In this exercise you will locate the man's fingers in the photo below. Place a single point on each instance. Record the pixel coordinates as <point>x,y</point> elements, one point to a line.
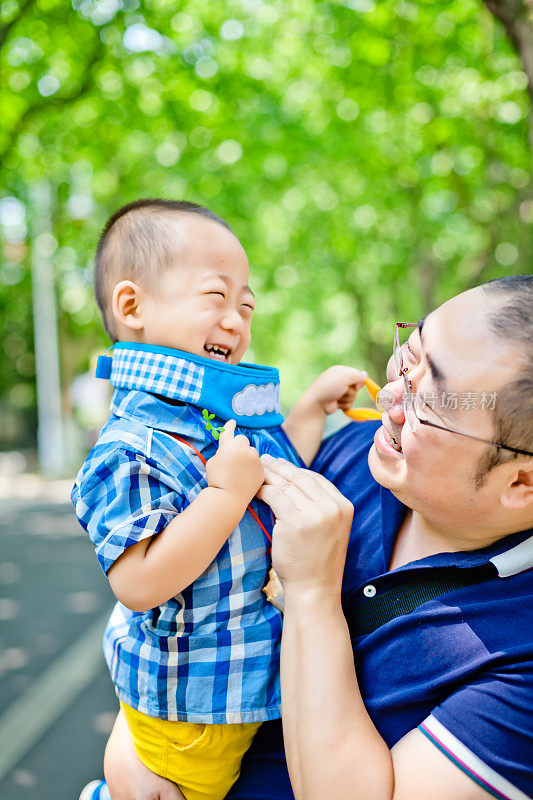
<point>332,490</point>
<point>279,472</point>
<point>293,493</point>
<point>281,504</point>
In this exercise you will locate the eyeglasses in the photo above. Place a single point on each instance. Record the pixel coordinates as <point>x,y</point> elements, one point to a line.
<point>414,402</point>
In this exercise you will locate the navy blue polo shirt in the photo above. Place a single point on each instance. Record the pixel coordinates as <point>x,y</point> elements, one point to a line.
<point>459,667</point>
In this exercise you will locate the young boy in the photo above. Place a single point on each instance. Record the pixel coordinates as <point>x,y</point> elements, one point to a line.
<point>192,645</point>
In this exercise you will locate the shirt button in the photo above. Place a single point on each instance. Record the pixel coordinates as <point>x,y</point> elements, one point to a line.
<point>369,591</point>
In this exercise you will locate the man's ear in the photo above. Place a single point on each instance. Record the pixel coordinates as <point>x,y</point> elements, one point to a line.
<point>126,305</point>
<point>519,491</point>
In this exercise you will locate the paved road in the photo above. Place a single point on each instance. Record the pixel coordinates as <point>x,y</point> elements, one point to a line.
<point>56,700</point>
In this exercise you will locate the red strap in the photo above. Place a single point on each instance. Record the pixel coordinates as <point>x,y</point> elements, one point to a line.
<point>204,462</point>
<point>254,515</point>
<point>183,441</point>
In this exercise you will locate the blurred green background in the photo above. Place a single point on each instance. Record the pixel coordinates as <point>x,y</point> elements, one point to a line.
<point>373,157</point>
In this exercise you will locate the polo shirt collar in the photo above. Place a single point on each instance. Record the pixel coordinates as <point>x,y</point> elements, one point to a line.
<point>517,558</point>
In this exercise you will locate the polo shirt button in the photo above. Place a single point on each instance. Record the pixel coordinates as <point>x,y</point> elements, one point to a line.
<point>369,591</point>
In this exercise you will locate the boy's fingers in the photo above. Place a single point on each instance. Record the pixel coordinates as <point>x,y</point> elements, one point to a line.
<point>242,439</point>
<point>355,377</point>
<point>228,432</point>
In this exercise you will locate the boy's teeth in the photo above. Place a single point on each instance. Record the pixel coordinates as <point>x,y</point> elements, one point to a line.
<point>212,348</point>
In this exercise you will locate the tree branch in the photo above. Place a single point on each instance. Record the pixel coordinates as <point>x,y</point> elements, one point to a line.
<point>57,102</point>
<point>516,17</point>
<point>5,29</point>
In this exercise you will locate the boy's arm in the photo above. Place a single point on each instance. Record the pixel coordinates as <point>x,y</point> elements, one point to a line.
<point>155,569</point>
<point>333,389</point>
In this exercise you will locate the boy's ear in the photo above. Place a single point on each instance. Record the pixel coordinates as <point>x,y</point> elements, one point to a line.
<point>519,492</point>
<point>126,305</point>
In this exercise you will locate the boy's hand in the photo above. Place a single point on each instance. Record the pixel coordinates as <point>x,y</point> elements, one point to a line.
<point>336,388</point>
<point>236,466</point>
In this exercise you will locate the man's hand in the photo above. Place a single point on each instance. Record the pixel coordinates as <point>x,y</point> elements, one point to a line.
<point>336,388</point>
<point>236,467</point>
<point>313,521</point>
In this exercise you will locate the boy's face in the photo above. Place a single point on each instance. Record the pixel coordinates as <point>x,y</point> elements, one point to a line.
<point>203,305</point>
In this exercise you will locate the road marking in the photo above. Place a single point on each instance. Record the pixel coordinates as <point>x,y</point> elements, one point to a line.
<point>26,720</point>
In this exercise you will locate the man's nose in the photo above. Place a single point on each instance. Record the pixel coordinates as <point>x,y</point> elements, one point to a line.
<point>392,400</point>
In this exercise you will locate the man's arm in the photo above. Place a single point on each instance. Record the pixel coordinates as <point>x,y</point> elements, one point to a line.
<point>333,749</point>
<point>155,569</point>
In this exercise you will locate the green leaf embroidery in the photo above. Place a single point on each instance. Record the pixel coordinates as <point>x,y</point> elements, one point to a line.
<point>215,432</point>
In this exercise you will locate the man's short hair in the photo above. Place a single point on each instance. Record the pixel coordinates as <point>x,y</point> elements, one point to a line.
<point>136,245</point>
<point>512,320</point>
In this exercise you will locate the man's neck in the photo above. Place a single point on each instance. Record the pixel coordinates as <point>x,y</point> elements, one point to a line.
<point>418,538</point>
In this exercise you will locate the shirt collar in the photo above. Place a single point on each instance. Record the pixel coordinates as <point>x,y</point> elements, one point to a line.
<point>156,412</point>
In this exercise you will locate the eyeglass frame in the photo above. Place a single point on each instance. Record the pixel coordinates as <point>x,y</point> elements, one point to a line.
<point>398,361</point>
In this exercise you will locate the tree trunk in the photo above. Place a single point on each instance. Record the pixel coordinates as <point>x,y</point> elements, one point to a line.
<point>517,19</point>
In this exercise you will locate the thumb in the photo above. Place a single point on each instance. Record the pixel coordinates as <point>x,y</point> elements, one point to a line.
<point>228,433</point>
<point>331,406</point>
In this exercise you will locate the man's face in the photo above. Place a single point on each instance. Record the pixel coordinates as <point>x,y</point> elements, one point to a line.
<point>433,471</point>
<point>203,305</point>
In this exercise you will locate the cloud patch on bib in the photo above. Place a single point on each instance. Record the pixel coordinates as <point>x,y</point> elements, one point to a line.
<point>256,400</point>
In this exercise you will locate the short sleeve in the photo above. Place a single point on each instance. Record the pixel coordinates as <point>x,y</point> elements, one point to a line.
<point>486,728</point>
<point>121,499</point>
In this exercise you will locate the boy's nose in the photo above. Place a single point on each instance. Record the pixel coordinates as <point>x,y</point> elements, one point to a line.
<point>232,321</point>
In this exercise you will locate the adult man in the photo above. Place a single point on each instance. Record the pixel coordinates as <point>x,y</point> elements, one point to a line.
<point>438,706</point>
<point>459,666</point>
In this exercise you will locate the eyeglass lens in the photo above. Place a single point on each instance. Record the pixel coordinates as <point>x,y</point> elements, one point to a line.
<point>408,400</point>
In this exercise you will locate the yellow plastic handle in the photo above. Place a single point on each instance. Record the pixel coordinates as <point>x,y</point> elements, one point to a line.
<point>373,388</point>
<point>364,414</point>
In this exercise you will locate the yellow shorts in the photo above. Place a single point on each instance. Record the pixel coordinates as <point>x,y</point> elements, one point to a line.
<point>204,760</point>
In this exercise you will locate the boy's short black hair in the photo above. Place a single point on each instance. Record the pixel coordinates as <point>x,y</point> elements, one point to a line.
<point>135,245</point>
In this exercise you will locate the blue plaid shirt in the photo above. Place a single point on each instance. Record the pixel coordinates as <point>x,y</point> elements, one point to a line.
<point>211,653</point>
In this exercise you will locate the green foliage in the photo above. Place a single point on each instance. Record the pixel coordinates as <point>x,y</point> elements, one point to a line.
<point>372,157</point>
